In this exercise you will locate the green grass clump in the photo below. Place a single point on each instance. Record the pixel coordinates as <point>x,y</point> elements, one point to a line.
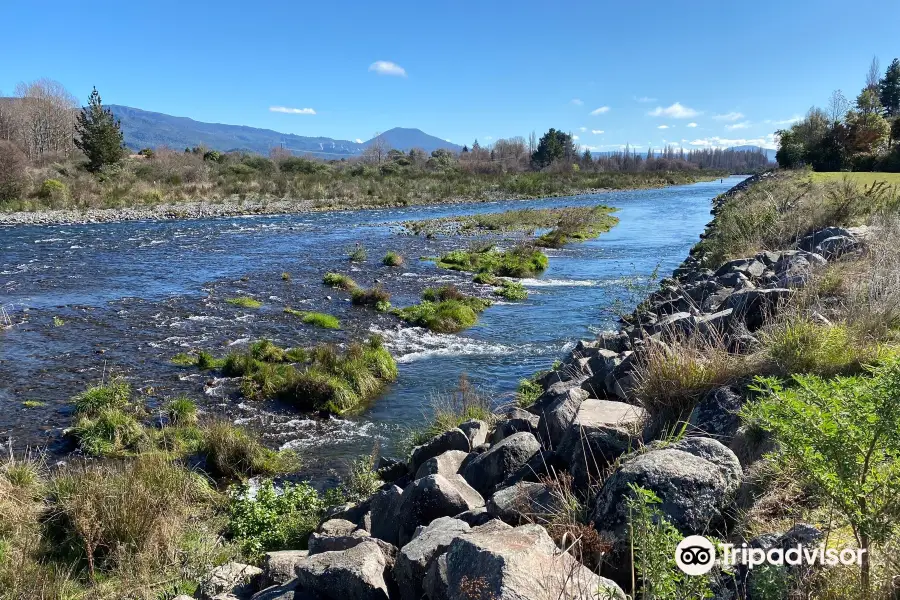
<point>108,432</point>
<point>376,297</point>
<point>521,261</point>
<point>805,346</point>
<point>58,322</point>
<point>358,254</point>
<point>233,453</point>
<point>244,302</point>
<point>285,276</point>
<point>485,278</point>
<point>337,280</point>
<point>182,411</point>
<point>201,359</point>
<point>115,394</point>
<point>392,259</point>
<point>33,404</point>
<point>578,225</point>
<point>318,319</point>
<point>511,290</point>
<point>322,378</point>
<point>451,409</point>
<point>528,393</point>
<point>444,310</point>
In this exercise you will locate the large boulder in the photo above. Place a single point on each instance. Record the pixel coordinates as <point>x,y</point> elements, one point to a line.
<point>278,567</point>
<point>476,430</point>
<point>601,365</point>
<point>454,439</point>
<point>755,307</point>
<point>232,578</point>
<point>354,574</point>
<point>486,471</point>
<point>716,415</point>
<point>557,417</point>
<point>433,497</point>
<point>416,556</point>
<point>695,478</point>
<point>384,505</point>
<point>516,421</point>
<point>446,464</point>
<point>553,392</point>
<point>836,246</point>
<point>518,564</point>
<point>795,267</point>
<point>810,242</point>
<point>524,502</point>
<point>601,431</point>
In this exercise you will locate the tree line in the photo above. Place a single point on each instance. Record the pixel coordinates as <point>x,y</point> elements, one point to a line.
<point>843,136</point>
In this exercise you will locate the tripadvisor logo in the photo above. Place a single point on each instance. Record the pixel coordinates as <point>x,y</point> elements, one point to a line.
<point>696,555</point>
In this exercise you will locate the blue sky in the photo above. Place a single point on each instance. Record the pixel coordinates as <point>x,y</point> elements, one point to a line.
<point>691,73</point>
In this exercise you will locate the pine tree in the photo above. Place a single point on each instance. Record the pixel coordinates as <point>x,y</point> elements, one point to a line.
<point>99,134</point>
<point>889,89</point>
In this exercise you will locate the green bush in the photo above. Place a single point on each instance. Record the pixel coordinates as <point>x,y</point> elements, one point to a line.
<point>339,281</point>
<point>53,189</point>
<point>521,261</point>
<point>528,393</point>
<point>273,519</point>
<point>108,432</point>
<point>358,254</point>
<point>392,259</point>
<point>233,453</point>
<point>182,411</point>
<point>376,297</point>
<point>511,290</point>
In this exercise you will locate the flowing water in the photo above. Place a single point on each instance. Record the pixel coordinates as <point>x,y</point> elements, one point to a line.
<point>131,295</point>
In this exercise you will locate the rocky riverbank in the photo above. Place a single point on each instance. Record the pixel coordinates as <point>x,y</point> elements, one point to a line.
<point>535,504</point>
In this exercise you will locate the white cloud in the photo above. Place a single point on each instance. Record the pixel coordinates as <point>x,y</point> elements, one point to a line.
<point>741,125</point>
<point>358,141</point>
<point>717,142</point>
<point>582,129</point>
<point>676,111</point>
<point>292,111</point>
<point>600,111</point>
<point>732,116</point>
<point>577,101</point>
<point>663,127</point>
<point>488,137</point>
<point>691,124</point>
<point>790,121</point>
<point>575,137</point>
<point>386,67</point>
<point>645,99</point>
<point>596,131</point>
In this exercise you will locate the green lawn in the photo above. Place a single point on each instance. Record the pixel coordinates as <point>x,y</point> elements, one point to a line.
<point>859,178</point>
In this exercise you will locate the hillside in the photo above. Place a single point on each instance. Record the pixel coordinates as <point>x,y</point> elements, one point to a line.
<point>146,129</point>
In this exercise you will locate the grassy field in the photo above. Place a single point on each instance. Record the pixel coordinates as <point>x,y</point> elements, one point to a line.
<point>858,178</point>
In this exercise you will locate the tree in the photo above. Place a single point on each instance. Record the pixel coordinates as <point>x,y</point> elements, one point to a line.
<point>842,435</point>
<point>889,89</point>
<point>837,107</point>
<point>868,131</point>
<point>43,118</point>
<point>99,134</point>
<point>872,75</point>
<point>553,146</point>
<point>12,170</point>
<point>377,150</point>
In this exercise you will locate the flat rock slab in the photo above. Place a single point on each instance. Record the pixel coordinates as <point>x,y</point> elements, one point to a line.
<point>353,574</point>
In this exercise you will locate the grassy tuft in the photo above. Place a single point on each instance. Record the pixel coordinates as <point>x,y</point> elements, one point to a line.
<point>285,276</point>
<point>233,453</point>
<point>318,319</point>
<point>511,290</point>
<point>444,310</point>
<point>521,261</point>
<point>358,254</point>
<point>376,297</point>
<point>182,411</point>
<point>244,302</point>
<point>392,259</point>
<point>337,280</point>
<point>453,408</point>
<point>528,393</point>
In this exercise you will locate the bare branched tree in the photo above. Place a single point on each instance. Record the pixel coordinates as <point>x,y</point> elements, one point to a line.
<point>45,119</point>
<point>377,150</point>
<point>874,74</point>
<point>838,105</point>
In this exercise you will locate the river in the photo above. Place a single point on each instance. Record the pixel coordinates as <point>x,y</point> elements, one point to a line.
<point>131,295</point>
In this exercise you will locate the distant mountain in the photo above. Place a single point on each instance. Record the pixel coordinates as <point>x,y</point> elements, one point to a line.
<point>146,129</point>
<point>403,138</point>
<point>770,153</point>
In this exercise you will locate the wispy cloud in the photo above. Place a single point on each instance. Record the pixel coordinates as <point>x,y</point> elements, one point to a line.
<point>600,111</point>
<point>718,142</point>
<point>597,131</point>
<point>292,111</point>
<point>676,111</point>
<point>577,101</point>
<point>575,137</point>
<point>645,99</point>
<point>358,141</point>
<point>488,137</point>
<point>663,127</point>
<point>386,67</point>
<point>790,121</point>
<point>582,129</point>
<point>741,125</point>
<point>691,124</point>
<point>732,116</point>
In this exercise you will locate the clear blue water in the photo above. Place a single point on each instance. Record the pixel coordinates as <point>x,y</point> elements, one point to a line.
<point>133,294</point>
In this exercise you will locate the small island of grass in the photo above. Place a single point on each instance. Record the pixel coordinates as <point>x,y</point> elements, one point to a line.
<point>444,310</point>
<point>521,261</point>
<point>318,319</point>
<point>244,302</point>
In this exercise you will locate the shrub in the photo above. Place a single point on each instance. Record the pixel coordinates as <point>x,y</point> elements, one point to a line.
<point>376,297</point>
<point>528,393</point>
<point>244,302</point>
<point>182,411</point>
<point>358,254</point>
<point>485,278</point>
<point>511,290</point>
<point>273,519</point>
<point>339,281</point>
<point>800,345</point>
<point>233,453</point>
<point>521,261</point>
<point>360,482</point>
<point>323,320</point>
<point>842,436</point>
<point>392,259</point>
<point>53,189</point>
<point>12,171</point>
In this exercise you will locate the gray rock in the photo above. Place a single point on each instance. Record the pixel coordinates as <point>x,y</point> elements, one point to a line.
<point>557,417</point>
<point>516,421</point>
<point>454,439</point>
<point>476,430</point>
<point>814,239</point>
<point>231,578</point>
<point>755,307</point>
<point>553,392</point>
<point>836,246</point>
<point>474,517</point>
<point>795,267</point>
<point>416,556</point>
<point>278,567</point>
<point>354,574</point>
<point>519,564</point>
<point>446,464</point>
<point>544,463</point>
<point>390,469</point>
<point>522,503</point>
<point>286,591</point>
<point>319,543</point>
<point>433,497</point>
<point>488,470</point>
<point>715,416</point>
<point>601,364</point>
<point>601,432</point>
<point>337,527</point>
<point>717,324</point>
<point>696,480</point>
<point>384,504</point>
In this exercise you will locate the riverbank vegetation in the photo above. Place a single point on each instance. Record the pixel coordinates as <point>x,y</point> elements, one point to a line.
<point>444,310</point>
<point>318,319</point>
<point>523,260</point>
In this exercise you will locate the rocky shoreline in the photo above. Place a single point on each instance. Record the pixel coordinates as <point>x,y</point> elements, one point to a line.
<point>481,511</point>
